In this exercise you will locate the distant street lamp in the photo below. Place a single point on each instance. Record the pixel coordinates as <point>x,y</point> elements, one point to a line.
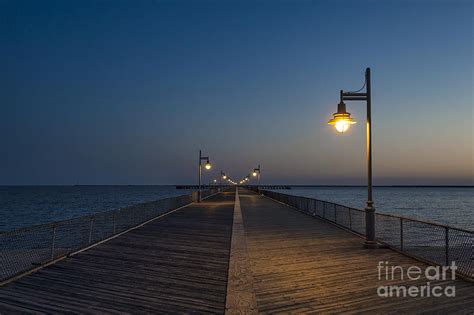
<point>207,166</point>
<point>256,173</point>
<point>223,176</point>
<point>342,121</point>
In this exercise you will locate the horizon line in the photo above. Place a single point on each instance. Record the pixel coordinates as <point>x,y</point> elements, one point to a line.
<point>287,185</point>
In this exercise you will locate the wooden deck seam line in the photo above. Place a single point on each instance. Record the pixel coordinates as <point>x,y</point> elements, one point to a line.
<point>241,298</point>
<point>56,260</point>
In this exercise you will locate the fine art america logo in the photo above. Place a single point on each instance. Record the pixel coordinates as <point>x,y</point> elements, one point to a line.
<point>420,288</point>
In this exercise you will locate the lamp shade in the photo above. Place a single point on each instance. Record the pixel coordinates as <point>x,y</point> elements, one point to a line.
<point>342,120</point>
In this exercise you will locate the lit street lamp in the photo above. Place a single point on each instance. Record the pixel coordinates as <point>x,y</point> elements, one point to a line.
<point>342,121</point>
<point>256,173</point>
<point>223,176</point>
<point>207,166</point>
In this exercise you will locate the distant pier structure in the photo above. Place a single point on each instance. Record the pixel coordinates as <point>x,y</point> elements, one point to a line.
<point>243,186</point>
<point>203,187</point>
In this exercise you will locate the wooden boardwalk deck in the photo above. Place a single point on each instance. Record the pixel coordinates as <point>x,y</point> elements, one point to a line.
<point>305,265</point>
<point>177,263</point>
<point>283,261</point>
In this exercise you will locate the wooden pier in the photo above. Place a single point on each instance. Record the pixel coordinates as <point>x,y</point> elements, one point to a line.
<point>232,253</point>
<point>272,187</point>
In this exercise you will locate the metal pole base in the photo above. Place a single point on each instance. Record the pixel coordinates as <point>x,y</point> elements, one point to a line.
<point>370,242</point>
<point>371,245</point>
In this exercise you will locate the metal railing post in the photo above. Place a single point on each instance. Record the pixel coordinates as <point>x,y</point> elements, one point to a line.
<point>53,241</point>
<point>401,234</point>
<point>90,230</point>
<point>446,239</point>
<point>350,218</point>
<point>114,223</point>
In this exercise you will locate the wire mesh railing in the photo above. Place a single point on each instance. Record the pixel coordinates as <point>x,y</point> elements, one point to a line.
<point>24,249</point>
<point>435,243</point>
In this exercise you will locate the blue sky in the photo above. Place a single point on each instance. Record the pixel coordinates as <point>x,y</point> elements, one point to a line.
<point>127,92</point>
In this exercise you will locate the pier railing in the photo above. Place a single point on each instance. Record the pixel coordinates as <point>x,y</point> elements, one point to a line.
<point>25,249</point>
<point>430,242</point>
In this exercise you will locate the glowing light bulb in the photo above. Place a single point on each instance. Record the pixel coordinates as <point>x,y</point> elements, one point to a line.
<point>342,120</point>
<point>254,174</point>
<point>342,125</point>
<point>207,165</point>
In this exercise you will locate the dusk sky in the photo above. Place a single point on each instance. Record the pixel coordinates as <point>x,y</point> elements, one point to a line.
<point>127,92</point>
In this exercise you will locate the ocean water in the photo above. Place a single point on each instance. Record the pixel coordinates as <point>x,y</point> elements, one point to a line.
<point>22,206</point>
<point>446,205</point>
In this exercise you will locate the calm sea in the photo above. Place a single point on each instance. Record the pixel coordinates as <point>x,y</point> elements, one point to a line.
<point>447,205</point>
<point>22,206</point>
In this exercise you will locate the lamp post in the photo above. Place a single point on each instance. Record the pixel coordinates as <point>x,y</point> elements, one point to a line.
<point>207,166</point>
<point>257,172</point>
<point>342,121</point>
<point>223,176</point>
